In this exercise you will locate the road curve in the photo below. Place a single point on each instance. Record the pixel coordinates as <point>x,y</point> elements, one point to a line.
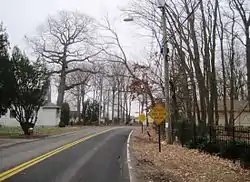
<point>101,158</point>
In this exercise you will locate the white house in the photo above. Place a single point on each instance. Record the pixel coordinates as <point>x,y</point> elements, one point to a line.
<point>241,112</point>
<point>48,115</point>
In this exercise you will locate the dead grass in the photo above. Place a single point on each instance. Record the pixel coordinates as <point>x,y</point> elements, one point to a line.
<point>177,164</point>
<point>16,132</point>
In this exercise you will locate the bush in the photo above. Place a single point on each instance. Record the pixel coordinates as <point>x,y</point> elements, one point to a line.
<point>212,148</point>
<point>245,159</point>
<point>61,124</point>
<point>65,115</point>
<point>191,144</point>
<point>184,131</point>
<point>233,150</point>
<point>200,143</point>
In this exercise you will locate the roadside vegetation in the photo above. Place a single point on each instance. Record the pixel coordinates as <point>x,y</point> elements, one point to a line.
<point>23,84</point>
<point>180,164</point>
<point>207,48</point>
<point>17,132</point>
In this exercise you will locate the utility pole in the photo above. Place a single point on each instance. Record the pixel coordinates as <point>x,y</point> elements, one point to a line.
<point>145,79</point>
<point>162,4</point>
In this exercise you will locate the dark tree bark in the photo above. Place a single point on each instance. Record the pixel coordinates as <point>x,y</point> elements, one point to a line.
<point>221,37</point>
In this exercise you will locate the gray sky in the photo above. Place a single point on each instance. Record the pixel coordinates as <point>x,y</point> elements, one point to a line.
<point>22,17</point>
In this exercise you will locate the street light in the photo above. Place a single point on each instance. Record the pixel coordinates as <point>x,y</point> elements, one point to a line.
<point>161,5</point>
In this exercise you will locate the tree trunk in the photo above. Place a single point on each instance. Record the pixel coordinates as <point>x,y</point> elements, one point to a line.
<point>248,59</point>
<point>118,105</point>
<point>232,70</point>
<point>221,37</point>
<point>104,110</point>
<point>199,76</point>
<point>78,102</point>
<point>126,107</point>
<point>25,127</point>
<point>129,110</point>
<point>195,58</point>
<point>207,67</point>
<point>113,106</point>
<point>61,89</point>
<point>224,80</point>
<point>214,94</point>
<point>183,69</point>
<point>124,113</point>
<point>107,114</point>
<point>83,98</point>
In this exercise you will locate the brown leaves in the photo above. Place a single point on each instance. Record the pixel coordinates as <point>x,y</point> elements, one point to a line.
<point>176,163</point>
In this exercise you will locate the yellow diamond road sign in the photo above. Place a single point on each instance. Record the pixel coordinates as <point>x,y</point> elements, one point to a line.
<point>158,113</point>
<point>142,117</point>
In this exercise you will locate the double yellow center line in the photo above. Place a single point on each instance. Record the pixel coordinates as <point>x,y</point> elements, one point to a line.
<point>7,174</point>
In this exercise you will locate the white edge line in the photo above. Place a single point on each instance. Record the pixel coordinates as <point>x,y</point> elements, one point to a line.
<point>129,157</point>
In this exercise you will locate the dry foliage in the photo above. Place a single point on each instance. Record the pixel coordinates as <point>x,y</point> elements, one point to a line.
<point>177,164</point>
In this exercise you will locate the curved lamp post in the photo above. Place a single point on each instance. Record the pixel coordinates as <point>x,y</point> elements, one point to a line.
<point>161,4</point>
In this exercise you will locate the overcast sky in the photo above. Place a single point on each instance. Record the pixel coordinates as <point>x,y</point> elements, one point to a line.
<point>22,17</point>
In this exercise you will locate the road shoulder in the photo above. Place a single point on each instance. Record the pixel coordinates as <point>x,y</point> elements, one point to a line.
<point>177,164</point>
<point>134,174</point>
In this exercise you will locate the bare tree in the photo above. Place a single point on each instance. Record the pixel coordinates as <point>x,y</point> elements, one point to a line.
<point>194,28</point>
<point>243,9</point>
<point>65,39</point>
<point>114,50</point>
<point>221,38</point>
<point>79,90</point>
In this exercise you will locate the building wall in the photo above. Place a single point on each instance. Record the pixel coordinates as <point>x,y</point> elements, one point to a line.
<point>46,117</point>
<point>7,120</point>
<point>242,120</point>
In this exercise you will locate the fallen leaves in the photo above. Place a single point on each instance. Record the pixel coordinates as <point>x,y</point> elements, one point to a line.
<point>177,164</point>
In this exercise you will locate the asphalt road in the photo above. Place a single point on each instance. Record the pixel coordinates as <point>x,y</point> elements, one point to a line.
<point>99,159</point>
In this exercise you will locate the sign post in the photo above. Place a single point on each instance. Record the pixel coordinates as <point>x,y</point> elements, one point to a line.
<point>142,118</point>
<point>159,114</point>
<point>159,137</point>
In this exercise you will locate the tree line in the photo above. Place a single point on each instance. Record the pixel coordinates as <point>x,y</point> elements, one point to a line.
<point>208,43</point>
<point>68,54</point>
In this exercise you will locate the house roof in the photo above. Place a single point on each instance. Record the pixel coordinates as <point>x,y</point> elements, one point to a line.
<point>239,105</point>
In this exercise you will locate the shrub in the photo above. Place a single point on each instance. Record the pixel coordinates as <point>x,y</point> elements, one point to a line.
<point>61,124</point>
<point>212,148</point>
<point>200,143</point>
<point>184,131</point>
<point>65,115</point>
<point>233,150</point>
<point>191,144</point>
<point>245,159</point>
